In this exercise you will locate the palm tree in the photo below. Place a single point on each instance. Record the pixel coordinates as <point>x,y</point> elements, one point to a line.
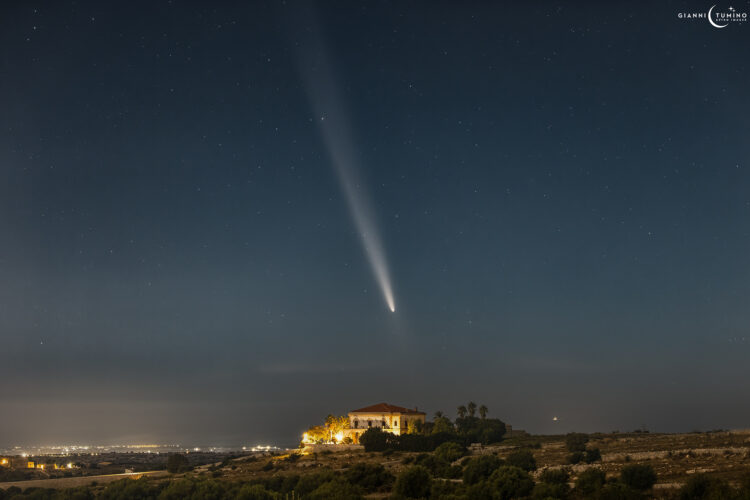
<point>439,414</point>
<point>461,411</point>
<point>472,407</point>
<point>483,412</point>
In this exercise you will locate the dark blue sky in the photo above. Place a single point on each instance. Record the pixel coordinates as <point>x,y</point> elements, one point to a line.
<point>562,192</point>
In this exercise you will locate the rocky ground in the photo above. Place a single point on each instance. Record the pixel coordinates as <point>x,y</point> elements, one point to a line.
<point>675,457</point>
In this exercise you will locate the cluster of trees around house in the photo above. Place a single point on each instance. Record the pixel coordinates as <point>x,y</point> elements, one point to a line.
<point>327,432</point>
<point>426,476</point>
<point>467,428</point>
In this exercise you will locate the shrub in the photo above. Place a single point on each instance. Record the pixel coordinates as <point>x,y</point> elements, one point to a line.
<point>310,482</point>
<point>480,468</point>
<point>369,477</point>
<point>446,490</point>
<point>414,482</point>
<point>510,482</point>
<point>576,442</point>
<point>335,490</point>
<point>374,439</point>
<point>450,452</point>
<point>523,459</point>
<point>268,466</point>
<point>703,487</point>
<point>616,490</point>
<point>177,463</point>
<point>576,457</point>
<point>638,477</point>
<point>592,455</point>
<point>590,481</point>
<point>554,476</point>
<point>255,492</point>
<point>546,491</point>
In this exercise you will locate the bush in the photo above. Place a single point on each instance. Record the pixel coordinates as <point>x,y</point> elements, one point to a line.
<point>523,459</point>
<point>310,482</point>
<point>590,481</point>
<point>576,457</point>
<point>480,468</point>
<point>450,452</point>
<point>616,490</point>
<point>414,482</point>
<point>446,490</point>
<point>255,492</point>
<point>576,442</point>
<point>268,466</point>
<point>510,482</point>
<point>592,455</point>
<point>703,487</point>
<point>374,440</point>
<point>369,477</point>
<point>554,476</point>
<point>546,491</point>
<point>335,490</point>
<point>177,463</point>
<point>638,477</point>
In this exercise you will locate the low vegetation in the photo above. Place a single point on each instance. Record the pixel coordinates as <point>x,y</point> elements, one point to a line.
<point>535,469</point>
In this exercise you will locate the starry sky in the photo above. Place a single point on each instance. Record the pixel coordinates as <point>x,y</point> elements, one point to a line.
<point>562,194</point>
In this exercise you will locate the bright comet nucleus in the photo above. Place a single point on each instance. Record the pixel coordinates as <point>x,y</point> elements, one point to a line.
<point>336,131</point>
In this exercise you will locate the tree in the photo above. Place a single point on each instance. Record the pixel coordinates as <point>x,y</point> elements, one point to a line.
<point>414,482</point>
<point>550,491</point>
<point>483,412</point>
<point>374,439</point>
<point>336,490</point>
<point>442,424</point>
<point>177,463</point>
<point>554,476</point>
<point>575,441</point>
<point>369,477</point>
<point>510,482</point>
<point>255,492</point>
<point>412,427</point>
<point>639,477</point>
<point>461,411</point>
<point>592,455</point>
<point>334,425</point>
<point>701,486</point>
<point>439,414</point>
<point>590,481</point>
<point>523,459</point>
<point>471,408</point>
<point>480,468</point>
<point>450,452</point>
<point>317,434</point>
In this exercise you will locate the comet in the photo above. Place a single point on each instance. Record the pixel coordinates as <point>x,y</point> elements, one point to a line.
<point>336,130</point>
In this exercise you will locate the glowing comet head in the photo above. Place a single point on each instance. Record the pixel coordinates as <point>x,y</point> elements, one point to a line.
<point>336,131</point>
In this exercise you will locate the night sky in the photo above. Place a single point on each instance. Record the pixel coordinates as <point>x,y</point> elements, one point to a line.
<point>561,194</point>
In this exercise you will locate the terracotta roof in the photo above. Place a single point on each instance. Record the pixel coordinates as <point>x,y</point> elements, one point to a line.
<point>386,408</point>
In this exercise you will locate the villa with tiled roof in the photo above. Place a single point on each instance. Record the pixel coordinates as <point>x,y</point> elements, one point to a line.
<point>387,417</point>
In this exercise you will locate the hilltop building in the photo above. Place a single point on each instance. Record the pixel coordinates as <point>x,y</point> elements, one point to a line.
<point>387,417</point>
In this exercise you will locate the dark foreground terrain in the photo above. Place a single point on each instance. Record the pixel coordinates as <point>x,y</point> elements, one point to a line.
<point>713,465</point>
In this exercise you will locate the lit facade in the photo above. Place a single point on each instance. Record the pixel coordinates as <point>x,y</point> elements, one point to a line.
<point>384,416</point>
